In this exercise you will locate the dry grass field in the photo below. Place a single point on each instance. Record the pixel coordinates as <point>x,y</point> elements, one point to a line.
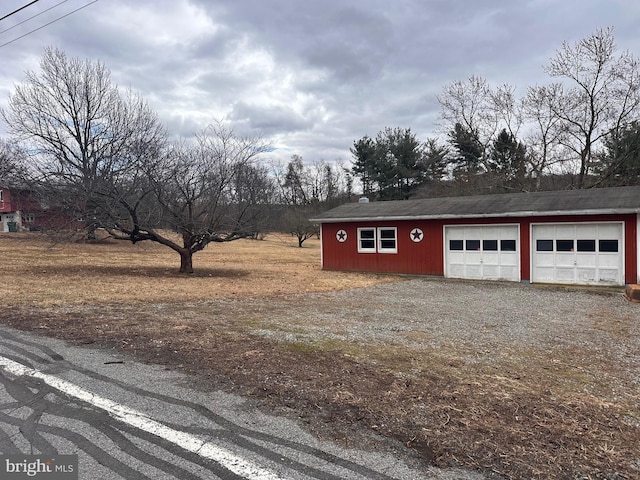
<point>541,417</point>
<point>47,273</point>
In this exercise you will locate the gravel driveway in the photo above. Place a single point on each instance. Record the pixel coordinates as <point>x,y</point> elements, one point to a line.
<point>482,315</point>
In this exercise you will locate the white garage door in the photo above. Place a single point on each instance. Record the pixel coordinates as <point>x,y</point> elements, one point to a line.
<point>583,254</point>
<point>482,252</point>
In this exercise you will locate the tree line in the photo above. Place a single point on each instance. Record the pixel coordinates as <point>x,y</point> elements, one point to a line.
<point>582,130</point>
<point>101,156</point>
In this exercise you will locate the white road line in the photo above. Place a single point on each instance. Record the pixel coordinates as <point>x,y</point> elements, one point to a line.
<point>142,421</point>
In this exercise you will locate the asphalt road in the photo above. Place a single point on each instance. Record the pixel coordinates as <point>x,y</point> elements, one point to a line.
<point>127,420</point>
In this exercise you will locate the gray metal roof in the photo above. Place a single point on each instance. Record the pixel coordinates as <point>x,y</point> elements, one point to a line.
<point>593,201</point>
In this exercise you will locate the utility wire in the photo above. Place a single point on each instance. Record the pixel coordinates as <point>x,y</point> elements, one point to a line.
<point>16,11</point>
<point>34,16</point>
<point>47,24</point>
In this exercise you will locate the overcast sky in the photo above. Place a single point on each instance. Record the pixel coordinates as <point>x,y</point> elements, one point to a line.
<point>313,76</point>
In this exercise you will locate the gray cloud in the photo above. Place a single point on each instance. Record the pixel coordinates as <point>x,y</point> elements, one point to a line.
<point>314,76</point>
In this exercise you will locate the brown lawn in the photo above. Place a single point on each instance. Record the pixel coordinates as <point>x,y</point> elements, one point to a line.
<point>47,273</point>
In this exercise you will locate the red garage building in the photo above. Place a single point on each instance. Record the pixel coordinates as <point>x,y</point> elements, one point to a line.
<point>588,237</point>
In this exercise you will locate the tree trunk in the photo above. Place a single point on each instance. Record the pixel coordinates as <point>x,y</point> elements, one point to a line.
<point>186,261</point>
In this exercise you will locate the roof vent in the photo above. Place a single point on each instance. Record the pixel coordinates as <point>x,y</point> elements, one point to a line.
<point>363,200</point>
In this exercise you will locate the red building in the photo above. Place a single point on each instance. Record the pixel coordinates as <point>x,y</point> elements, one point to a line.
<point>588,237</point>
<point>21,210</point>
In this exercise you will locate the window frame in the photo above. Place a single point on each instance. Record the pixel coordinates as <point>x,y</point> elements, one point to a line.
<point>382,249</point>
<point>377,239</point>
<point>362,249</point>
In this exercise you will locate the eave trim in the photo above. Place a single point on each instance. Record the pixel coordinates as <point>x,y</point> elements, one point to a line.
<point>609,211</point>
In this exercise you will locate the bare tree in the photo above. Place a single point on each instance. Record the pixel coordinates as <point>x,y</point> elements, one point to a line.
<point>102,156</point>
<point>600,93</point>
<point>83,136</point>
<point>472,105</point>
<point>545,132</point>
<point>196,191</point>
<point>11,163</point>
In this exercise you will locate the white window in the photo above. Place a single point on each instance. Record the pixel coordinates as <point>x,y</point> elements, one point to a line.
<point>387,240</point>
<point>378,240</point>
<point>366,240</point>
<point>29,218</point>
<point>1,200</point>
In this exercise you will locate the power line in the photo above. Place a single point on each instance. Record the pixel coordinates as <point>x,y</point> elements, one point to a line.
<point>34,16</point>
<point>16,11</point>
<point>47,24</point>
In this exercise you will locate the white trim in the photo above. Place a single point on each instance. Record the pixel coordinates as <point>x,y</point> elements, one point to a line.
<point>321,246</point>
<point>471,216</point>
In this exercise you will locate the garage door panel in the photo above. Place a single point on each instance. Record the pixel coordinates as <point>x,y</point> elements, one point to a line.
<point>456,271</point>
<point>545,231</point>
<point>545,260</point>
<point>565,260</point>
<point>586,275</point>
<point>491,272</point>
<point>491,258</point>
<point>565,232</point>
<point>565,275</point>
<point>509,272</point>
<point>456,257</point>
<point>545,274</point>
<point>586,231</point>
<point>608,261</point>
<point>609,231</point>
<point>473,271</point>
<point>509,258</point>
<point>586,260</point>
<point>474,257</point>
<point>608,275</point>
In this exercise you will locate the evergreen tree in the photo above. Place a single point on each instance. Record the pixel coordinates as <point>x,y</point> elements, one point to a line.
<point>434,160</point>
<point>364,164</point>
<point>390,166</point>
<point>619,163</point>
<point>507,157</point>
<point>469,152</point>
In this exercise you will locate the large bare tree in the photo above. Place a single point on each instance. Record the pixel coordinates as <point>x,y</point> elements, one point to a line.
<point>599,91</point>
<point>103,157</point>
<point>201,191</point>
<point>83,136</point>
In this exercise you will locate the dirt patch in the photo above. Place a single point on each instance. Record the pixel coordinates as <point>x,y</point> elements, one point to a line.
<point>564,405</point>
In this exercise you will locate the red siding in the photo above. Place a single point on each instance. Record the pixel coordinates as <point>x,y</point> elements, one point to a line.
<point>13,200</point>
<point>427,257</point>
<point>421,258</point>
